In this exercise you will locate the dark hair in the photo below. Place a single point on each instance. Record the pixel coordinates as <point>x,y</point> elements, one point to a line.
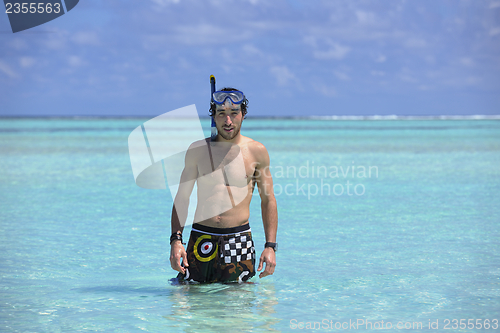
<point>243,104</point>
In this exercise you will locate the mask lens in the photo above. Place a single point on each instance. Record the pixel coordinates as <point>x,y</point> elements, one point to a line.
<point>235,96</point>
<point>219,97</point>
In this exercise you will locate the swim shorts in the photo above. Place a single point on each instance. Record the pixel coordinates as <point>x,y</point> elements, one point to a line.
<point>219,254</point>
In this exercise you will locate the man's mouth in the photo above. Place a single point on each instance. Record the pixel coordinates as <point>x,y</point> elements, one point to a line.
<point>228,129</point>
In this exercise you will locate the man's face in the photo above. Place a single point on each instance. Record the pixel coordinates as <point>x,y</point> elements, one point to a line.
<point>228,118</point>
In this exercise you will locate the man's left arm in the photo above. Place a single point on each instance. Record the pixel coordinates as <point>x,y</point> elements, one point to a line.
<point>269,209</point>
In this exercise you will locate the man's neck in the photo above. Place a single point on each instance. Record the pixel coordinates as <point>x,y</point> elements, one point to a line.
<point>236,140</point>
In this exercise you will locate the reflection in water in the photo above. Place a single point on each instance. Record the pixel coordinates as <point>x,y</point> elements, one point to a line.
<point>223,307</point>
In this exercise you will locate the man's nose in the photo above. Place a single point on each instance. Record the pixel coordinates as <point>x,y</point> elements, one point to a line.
<point>228,120</point>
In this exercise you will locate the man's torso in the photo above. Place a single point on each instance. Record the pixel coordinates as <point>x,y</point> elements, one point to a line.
<point>225,183</point>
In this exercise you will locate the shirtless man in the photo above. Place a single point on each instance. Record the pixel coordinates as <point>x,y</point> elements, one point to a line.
<point>226,170</point>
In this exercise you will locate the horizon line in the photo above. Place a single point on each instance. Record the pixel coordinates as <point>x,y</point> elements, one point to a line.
<point>329,117</point>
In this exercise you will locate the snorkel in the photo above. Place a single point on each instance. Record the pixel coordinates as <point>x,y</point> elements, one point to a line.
<point>213,127</point>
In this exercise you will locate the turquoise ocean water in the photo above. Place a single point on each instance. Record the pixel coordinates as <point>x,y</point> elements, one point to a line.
<point>412,236</point>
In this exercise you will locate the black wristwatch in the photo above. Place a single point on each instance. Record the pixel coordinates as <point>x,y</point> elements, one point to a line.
<point>273,246</point>
<point>176,236</point>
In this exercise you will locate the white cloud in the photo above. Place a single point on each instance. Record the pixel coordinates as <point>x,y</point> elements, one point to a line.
<point>164,3</point>
<point>408,78</point>
<point>407,75</point>
<point>18,44</point>
<point>325,90</point>
<point>460,81</point>
<point>366,17</point>
<point>342,76</point>
<point>495,31</point>
<point>473,80</point>
<point>253,55</point>
<point>27,62</point>
<point>56,41</point>
<point>155,42</point>
<point>424,87</point>
<point>75,61</point>
<point>251,50</point>
<point>495,4</point>
<point>86,38</point>
<point>467,62</point>
<point>416,43</point>
<point>206,34</point>
<point>184,64</point>
<point>430,59</point>
<point>377,73</point>
<point>283,75</point>
<point>203,34</point>
<point>334,50</point>
<point>7,70</point>
<point>381,58</point>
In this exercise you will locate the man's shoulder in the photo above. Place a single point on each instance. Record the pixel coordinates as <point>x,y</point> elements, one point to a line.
<point>257,149</point>
<point>197,144</point>
<point>196,150</point>
<point>253,144</point>
<point>200,143</point>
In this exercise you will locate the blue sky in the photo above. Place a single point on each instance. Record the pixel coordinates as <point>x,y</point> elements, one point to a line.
<point>291,58</point>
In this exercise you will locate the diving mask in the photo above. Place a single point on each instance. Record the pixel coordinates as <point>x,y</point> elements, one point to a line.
<point>235,96</point>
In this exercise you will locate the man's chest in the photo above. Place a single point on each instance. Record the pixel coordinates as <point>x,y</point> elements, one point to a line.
<point>234,165</point>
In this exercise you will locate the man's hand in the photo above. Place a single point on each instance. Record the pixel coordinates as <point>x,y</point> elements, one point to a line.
<point>269,257</point>
<point>177,252</point>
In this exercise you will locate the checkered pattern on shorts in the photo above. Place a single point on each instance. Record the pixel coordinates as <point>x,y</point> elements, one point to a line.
<point>238,248</point>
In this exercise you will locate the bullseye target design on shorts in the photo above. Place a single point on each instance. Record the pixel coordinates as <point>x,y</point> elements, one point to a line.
<point>204,249</point>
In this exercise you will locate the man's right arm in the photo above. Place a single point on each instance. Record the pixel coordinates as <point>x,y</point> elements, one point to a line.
<point>180,209</point>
